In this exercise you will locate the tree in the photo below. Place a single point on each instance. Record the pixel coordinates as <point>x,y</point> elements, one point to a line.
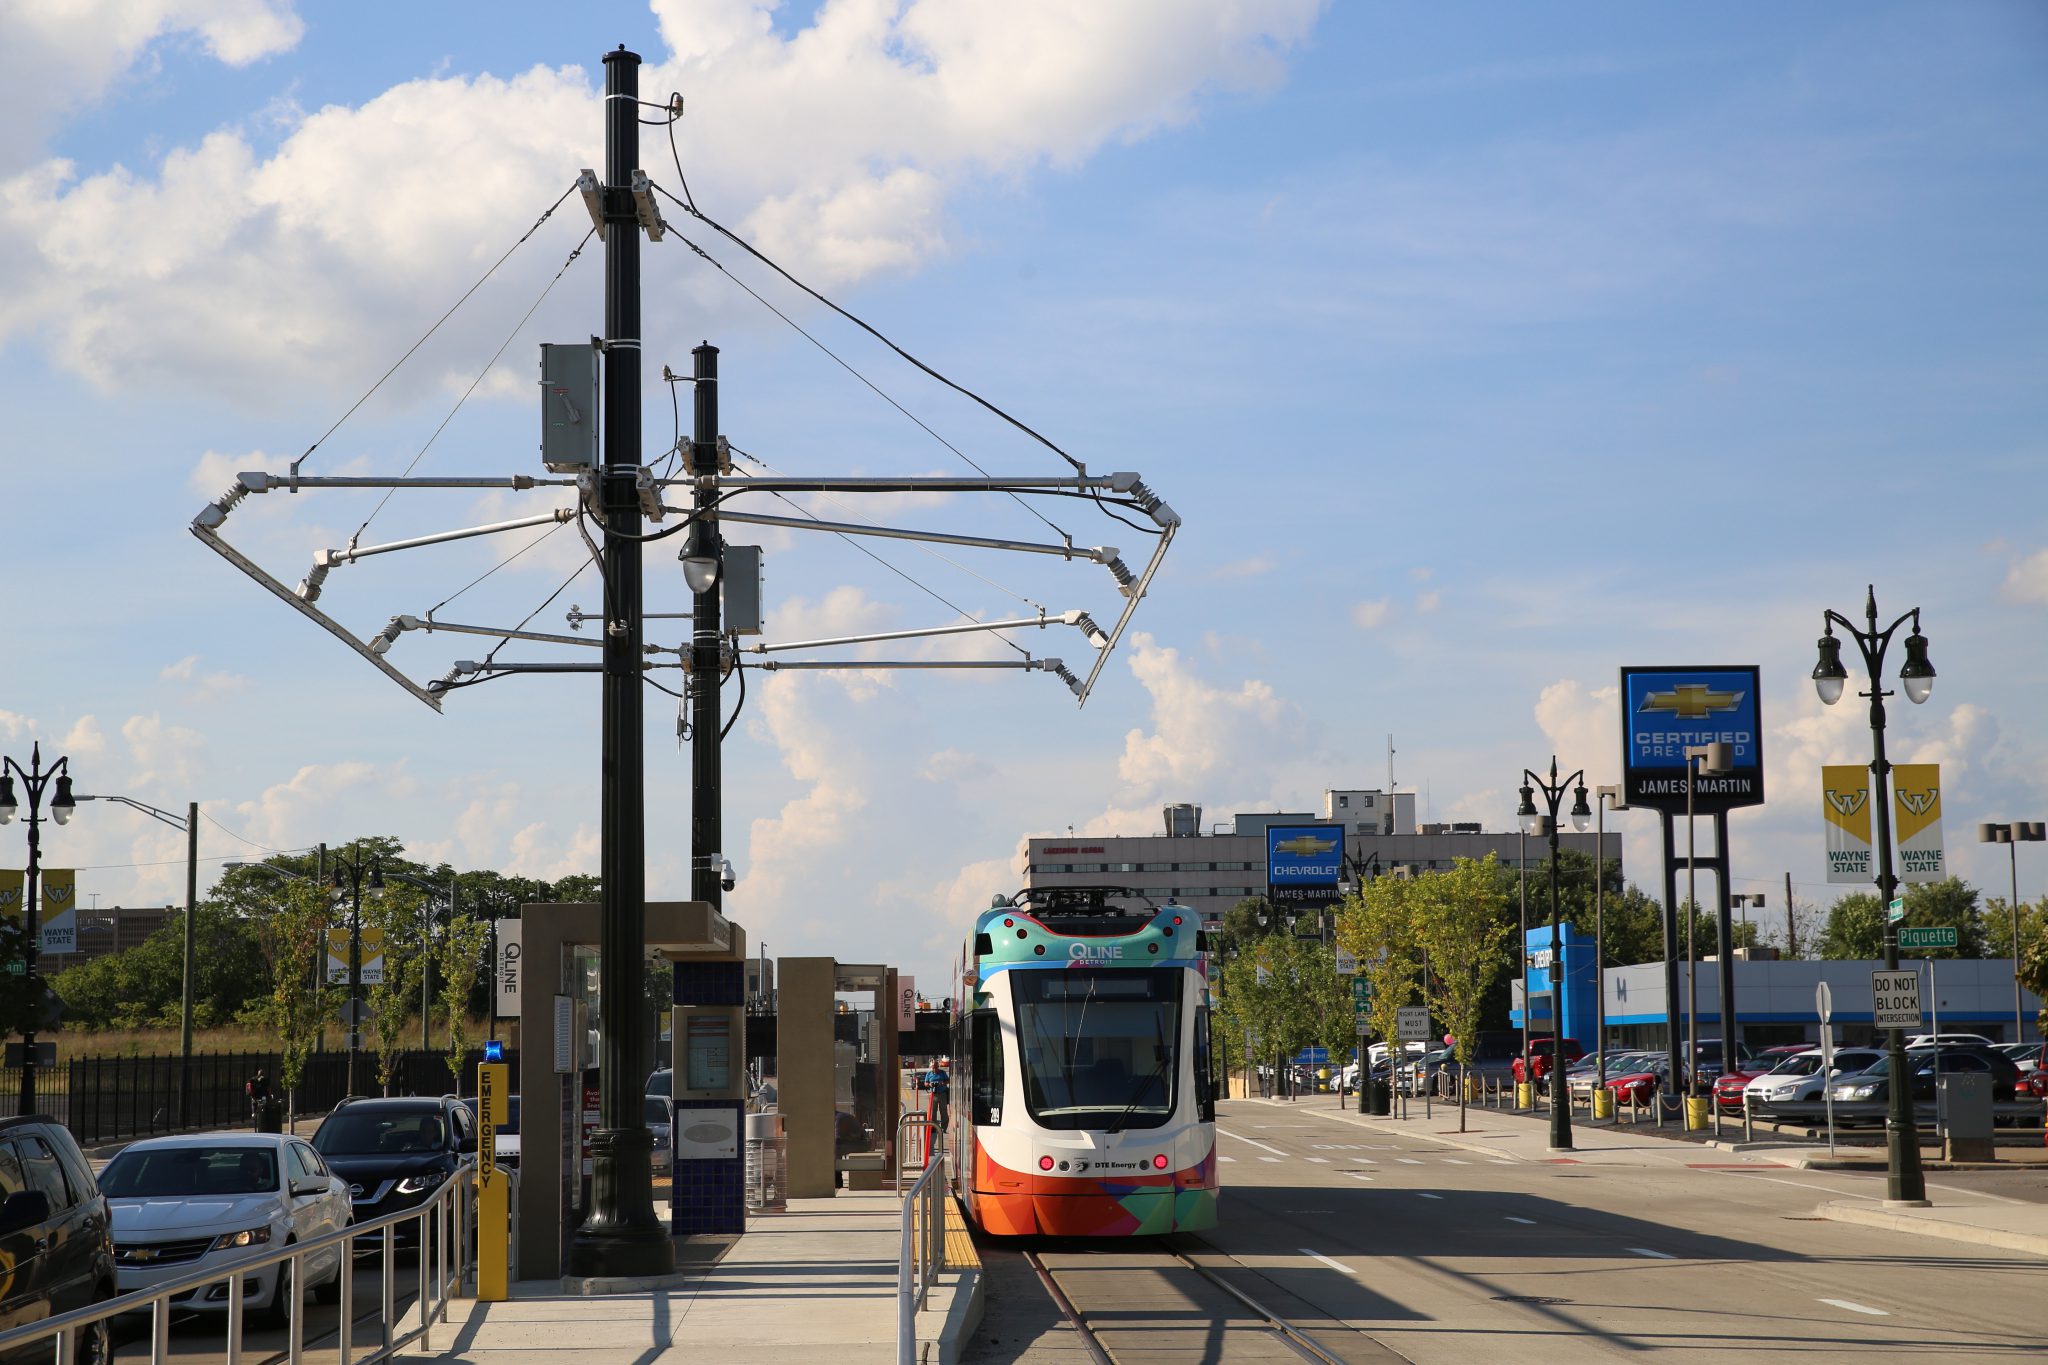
<point>1280,993</point>
<point>460,963</point>
<point>2032,968</point>
<point>1377,925</point>
<point>1855,926</point>
<point>144,987</point>
<point>398,916</point>
<point>295,943</point>
<point>1996,919</point>
<point>1461,925</point>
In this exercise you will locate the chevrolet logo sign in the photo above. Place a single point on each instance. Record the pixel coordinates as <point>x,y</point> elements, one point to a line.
<point>138,1253</point>
<point>1691,701</point>
<point>1305,846</point>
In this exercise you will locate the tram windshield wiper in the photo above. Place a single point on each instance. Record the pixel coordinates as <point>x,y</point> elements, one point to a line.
<point>1145,1086</point>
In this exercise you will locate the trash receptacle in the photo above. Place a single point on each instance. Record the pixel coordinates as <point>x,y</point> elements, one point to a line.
<point>767,1167</point>
<point>1382,1098</point>
<point>270,1115</point>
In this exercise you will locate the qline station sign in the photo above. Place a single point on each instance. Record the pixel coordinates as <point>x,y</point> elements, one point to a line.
<point>1665,711</point>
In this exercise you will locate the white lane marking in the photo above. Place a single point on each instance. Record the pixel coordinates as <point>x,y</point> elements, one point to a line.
<point>1272,1159</point>
<point>1251,1141</point>
<point>1359,1175</point>
<point>1319,1160</point>
<point>1500,1161</point>
<point>1802,1184</point>
<point>1407,1161</point>
<point>1441,1142</point>
<point>1526,1222</point>
<point>1427,1195</point>
<point>1453,1161</point>
<point>1855,1307</point>
<point>1334,1265</point>
<point>1979,1194</point>
<point>1226,1158</point>
<point>1362,1160</point>
<point>1653,1255</point>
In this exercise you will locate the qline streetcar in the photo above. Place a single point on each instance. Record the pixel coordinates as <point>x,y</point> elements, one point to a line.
<point>1084,1083</point>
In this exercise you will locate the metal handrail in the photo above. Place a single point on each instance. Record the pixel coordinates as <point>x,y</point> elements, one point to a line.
<point>443,1220</point>
<point>922,1254</point>
<point>917,1117</point>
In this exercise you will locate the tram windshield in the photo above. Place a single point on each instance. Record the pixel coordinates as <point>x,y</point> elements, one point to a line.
<point>1099,1046</point>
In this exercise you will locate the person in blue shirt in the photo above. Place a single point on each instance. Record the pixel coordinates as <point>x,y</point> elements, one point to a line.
<point>939,1080</point>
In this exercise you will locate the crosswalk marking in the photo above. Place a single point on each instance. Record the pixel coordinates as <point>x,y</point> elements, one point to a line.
<point>1653,1255</point>
<point>1531,1222</point>
<point>1319,1160</point>
<point>1427,1195</point>
<point>1334,1265</point>
<point>1855,1307</point>
<point>1407,1161</point>
<point>1226,1158</point>
<point>1272,1159</point>
<point>1453,1161</point>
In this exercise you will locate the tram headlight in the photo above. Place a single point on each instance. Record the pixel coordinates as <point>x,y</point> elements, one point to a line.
<point>1045,1163</point>
<point>1159,1162</point>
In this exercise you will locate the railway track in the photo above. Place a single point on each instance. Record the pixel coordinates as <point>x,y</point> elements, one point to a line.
<point>1265,1323</point>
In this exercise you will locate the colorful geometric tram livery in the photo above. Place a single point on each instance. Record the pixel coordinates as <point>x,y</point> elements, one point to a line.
<point>1084,1090</point>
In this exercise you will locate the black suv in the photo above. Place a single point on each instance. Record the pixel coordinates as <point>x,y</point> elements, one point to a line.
<point>394,1153</point>
<point>56,1235</point>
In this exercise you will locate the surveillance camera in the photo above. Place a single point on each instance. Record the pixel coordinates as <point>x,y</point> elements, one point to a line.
<point>725,875</point>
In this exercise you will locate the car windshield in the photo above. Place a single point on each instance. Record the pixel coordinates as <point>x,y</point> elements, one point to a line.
<point>174,1172</point>
<point>657,1110</point>
<point>662,1082</point>
<point>365,1133</point>
<point>1799,1064</point>
<point>1099,1045</point>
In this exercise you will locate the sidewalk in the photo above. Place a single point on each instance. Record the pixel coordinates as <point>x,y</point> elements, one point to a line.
<point>1524,1137</point>
<point>817,1282</point>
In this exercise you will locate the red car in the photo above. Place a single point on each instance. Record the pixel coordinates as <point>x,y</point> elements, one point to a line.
<point>1728,1088</point>
<point>1639,1087</point>
<point>1540,1059</point>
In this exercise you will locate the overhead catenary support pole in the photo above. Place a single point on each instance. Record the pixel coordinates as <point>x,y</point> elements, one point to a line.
<point>706,779</point>
<point>620,1236</point>
<point>185,999</point>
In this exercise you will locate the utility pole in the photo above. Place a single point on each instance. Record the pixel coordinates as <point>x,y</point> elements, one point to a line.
<point>620,1236</point>
<point>1791,921</point>
<point>706,790</point>
<point>185,1010</point>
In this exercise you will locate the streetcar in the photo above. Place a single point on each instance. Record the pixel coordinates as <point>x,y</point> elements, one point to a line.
<point>1084,1083</point>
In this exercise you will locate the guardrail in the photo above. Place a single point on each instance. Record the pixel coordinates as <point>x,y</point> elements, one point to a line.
<point>922,1255</point>
<point>443,1258</point>
<point>914,1119</point>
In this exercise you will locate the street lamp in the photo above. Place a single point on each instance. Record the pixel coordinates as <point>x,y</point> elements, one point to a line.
<point>1537,823</point>
<point>1605,799</point>
<point>2012,835</point>
<point>1904,1180</point>
<point>1743,901</point>
<point>35,779</point>
<point>352,876</point>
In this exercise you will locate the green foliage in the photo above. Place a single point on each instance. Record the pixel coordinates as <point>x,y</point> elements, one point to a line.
<point>460,961</point>
<point>295,945</point>
<point>1377,923</point>
<point>1284,994</point>
<point>1461,926</point>
<point>145,985</point>
<point>400,914</point>
<point>1855,926</point>
<point>2032,967</point>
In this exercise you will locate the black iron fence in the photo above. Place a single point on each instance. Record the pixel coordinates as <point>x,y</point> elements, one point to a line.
<point>107,1099</point>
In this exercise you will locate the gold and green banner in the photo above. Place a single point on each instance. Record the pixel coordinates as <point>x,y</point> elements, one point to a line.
<point>373,955</point>
<point>13,891</point>
<point>1845,803</point>
<point>1916,809</point>
<point>60,910</point>
<point>337,956</point>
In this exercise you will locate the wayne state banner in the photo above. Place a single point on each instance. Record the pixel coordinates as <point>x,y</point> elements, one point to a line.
<point>13,887</point>
<point>1845,802</point>
<point>373,956</point>
<point>60,910</point>
<point>1916,809</point>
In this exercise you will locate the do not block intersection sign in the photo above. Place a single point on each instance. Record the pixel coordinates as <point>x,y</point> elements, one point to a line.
<point>1895,1000</point>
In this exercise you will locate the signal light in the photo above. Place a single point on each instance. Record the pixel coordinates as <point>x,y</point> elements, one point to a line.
<point>1045,1163</point>
<point>1009,924</point>
<point>1176,919</point>
<point>1159,1162</point>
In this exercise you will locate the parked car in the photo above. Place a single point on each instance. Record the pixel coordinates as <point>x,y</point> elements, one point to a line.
<point>1729,1085</point>
<point>193,1203</point>
<point>661,1081</point>
<point>1540,1059</point>
<point>1640,1086</point>
<point>1948,1040</point>
<point>1801,1077</point>
<point>661,1121</point>
<point>56,1234</point>
<point>507,1132</point>
<point>2026,1056</point>
<point>1926,1064</point>
<point>1582,1076</point>
<point>396,1152</point>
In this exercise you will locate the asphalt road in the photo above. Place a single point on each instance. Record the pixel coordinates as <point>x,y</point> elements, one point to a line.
<point>1376,1242</point>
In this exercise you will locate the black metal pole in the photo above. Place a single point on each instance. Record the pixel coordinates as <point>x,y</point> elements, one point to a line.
<point>185,1008</point>
<point>706,779</point>
<point>620,1237</point>
<point>1673,1072</point>
<point>1560,1095</point>
<point>355,968</point>
<point>1726,929</point>
<point>1522,948</point>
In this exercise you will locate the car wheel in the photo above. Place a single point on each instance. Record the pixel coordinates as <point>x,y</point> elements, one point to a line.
<point>278,1314</point>
<point>94,1344</point>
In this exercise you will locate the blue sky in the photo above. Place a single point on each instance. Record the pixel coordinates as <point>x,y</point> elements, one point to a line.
<point>1483,350</point>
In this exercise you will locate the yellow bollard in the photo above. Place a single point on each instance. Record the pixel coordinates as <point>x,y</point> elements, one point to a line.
<point>493,1186</point>
<point>1695,1113</point>
<point>1525,1095</point>
<point>1603,1102</point>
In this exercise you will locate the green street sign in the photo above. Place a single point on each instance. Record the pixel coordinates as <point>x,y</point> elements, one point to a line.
<point>1941,936</point>
<point>1361,996</point>
<point>1897,910</point>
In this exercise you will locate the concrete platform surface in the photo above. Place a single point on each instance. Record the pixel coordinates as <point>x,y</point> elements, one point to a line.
<point>819,1280</point>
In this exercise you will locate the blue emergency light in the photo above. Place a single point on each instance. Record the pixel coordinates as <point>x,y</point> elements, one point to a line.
<point>494,1051</point>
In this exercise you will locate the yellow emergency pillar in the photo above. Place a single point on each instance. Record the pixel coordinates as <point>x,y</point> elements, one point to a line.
<point>493,1186</point>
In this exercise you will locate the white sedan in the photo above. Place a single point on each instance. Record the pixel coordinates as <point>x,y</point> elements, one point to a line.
<point>187,1203</point>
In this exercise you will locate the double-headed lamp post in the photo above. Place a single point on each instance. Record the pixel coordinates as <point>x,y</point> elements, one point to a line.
<point>35,780</point>
<point>354,876</point>
<point>1904,1180</point>
<point>1539,823</point>
<point>2012,835</point>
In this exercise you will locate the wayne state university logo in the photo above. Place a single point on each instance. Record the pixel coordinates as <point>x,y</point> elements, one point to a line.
<point>1847,803</point>
<point>1919,802</point>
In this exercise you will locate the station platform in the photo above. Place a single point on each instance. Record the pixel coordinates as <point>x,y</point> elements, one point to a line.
<point>816,1282</point>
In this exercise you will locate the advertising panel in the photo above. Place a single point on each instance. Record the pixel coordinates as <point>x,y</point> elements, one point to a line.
<point>1303,863</point>
<point>906,1003</point>
<point>337,956</point>
<point>1916,809</point>
<point>1664,711</point>
<point>373,955</point>
<point>60,911</point>
<point>1845,805</point>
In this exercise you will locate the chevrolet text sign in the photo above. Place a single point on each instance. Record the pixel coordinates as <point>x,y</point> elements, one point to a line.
<point>1665,711</point>
<point>1302,863</point>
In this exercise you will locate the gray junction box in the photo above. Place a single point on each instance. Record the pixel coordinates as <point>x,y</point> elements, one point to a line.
<point>740,590</point>
<point>568,408</point>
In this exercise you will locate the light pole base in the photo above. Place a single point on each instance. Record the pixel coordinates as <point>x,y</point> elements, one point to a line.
<point>621,1239</point>
<point>1909,1203</point>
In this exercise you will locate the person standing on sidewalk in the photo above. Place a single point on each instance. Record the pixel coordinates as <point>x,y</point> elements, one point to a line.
<point>939,1080</point>
<point>258,1090</point>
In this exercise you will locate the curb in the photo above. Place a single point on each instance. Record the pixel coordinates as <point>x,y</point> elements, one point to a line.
<point>963,1315</point>
<point>1934,1227</point>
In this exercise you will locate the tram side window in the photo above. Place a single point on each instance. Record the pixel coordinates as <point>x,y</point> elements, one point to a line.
<point>988,1068</point>
<point>1205,1067</point>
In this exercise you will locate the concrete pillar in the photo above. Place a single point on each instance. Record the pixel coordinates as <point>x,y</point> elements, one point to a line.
<point>804,1072</point>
